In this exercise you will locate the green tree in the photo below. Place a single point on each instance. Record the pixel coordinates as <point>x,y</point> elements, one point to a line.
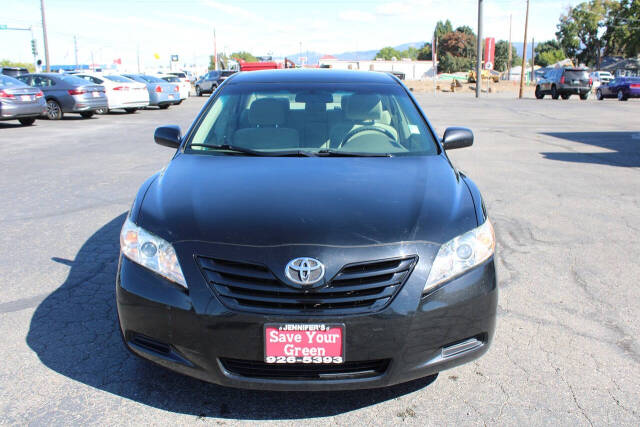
<point>579,28</point>
<point>425,54</point>
<point>465,29</point>
<point>245,56</point>
<point>411,52</point>
<point>502,56</point>
<point>449,63</point>
<point>622,35</point>
<point>388,53</point>
<point>443,28</point>
<point>548,52</point>
<point>8,63</point>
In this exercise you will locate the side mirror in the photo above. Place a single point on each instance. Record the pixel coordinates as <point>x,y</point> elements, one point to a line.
<point>457,137</point>
<point>168,136</point>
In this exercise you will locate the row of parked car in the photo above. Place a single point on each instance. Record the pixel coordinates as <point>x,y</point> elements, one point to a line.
<point>564,82</point>
<point>29,96</point>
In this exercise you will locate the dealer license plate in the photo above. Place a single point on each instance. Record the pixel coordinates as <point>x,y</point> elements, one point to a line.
<point>170,96</point>
<point>25,98</point>
<point>303,343</point>
<point>95,94</point>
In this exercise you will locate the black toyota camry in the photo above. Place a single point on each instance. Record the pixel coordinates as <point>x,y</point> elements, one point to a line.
<point>309,233</point>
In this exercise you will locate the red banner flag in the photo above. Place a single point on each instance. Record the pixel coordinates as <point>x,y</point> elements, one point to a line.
<point>489,53</point>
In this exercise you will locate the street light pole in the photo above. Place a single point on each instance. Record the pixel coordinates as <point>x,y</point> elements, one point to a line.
<point>44,36</point>
<point>510,58</point>
<point>524,52</point>
<point>479,52</point>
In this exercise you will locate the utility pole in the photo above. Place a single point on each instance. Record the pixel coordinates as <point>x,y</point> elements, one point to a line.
<point>524,52</point>
<point>138,54</point>
<point>434,58</point>
<point>510,58</point>
<point>215,51</point>
<point>479,51</point>
<point>75,49</point>
<point>44,36</point>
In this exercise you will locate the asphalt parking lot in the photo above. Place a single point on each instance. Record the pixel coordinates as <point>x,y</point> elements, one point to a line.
<point>562,185</point>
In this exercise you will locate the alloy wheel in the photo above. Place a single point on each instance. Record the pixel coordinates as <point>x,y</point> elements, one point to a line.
<point>53,110</point>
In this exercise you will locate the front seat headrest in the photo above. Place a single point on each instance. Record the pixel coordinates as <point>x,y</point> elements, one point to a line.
<point>267,112</point>
<point>361,107</point>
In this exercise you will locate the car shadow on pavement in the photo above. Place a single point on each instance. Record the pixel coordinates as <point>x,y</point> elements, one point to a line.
<point>74,332</point>
<point>624,146</point>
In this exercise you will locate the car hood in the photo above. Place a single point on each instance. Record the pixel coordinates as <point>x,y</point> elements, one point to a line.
<point>311,200</point>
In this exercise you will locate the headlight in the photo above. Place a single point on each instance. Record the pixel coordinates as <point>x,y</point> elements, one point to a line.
<point>150,251</point>
<point>461,254</point>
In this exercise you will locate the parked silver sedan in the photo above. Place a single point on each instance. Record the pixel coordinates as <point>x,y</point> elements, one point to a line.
<point>19,101</point>
<point>67,94</point>
<point>161,93</point>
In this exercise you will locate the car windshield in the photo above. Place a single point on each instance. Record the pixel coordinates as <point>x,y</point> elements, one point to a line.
<point>151,79</point>
<point>171,79</point>
<point>181,75</point>
<point>576,75</point>
<point>119,79</point>
<point>314,118</point>
<point>6,81</point>
<point>72,80</point>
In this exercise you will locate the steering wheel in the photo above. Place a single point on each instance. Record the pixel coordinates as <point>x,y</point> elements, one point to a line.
<point>383,131</point>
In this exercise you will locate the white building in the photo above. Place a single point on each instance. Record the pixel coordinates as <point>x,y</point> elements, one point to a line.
<point>413,70</point>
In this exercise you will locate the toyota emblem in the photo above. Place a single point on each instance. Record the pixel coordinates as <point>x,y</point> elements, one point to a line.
<point>304,271</point>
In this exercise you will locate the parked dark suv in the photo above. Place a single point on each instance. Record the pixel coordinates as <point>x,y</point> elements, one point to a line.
<point>564,82</point>
<point>210,81</point>
<point>13,71</point>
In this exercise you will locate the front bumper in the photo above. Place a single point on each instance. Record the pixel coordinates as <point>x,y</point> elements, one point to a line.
<point>194,333</point>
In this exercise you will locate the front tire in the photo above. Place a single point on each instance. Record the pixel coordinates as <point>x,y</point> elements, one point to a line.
<point>27,121</point>
<point>102,111</point>
<point>584,96</point>
<point>566,96</point>
<point>539,94</point>
<point>621,96</point>
<point>599,96</point>
<point>198,91</point>
<point>164,106</point>
<point>554,92</point>
<point>54,111</point>
<point>87,114</point>
<point>130,110</point>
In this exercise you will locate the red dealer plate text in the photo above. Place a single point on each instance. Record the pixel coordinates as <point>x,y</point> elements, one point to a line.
<point>303,343</point>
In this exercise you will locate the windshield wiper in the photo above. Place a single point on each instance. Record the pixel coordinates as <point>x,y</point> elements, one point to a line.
<point>338,153</point>
<point>243,150</point>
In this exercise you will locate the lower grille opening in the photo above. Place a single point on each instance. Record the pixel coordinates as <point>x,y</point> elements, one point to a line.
<point>151,344</point>
<point>299,371</point>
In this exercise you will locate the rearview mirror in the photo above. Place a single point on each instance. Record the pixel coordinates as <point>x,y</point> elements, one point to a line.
<point>457,137</point>
<point>168,136</point>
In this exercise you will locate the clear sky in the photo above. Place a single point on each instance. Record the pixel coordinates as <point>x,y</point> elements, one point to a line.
<point>117,28</point>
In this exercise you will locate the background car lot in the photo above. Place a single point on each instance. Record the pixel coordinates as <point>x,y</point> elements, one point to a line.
<point>561,183</point>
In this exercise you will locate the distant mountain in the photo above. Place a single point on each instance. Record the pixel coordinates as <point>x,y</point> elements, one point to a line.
<point>365,55</point>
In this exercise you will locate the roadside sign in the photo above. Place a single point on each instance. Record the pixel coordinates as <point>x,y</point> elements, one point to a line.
<point>489,52</point>
<point>174,58</point>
